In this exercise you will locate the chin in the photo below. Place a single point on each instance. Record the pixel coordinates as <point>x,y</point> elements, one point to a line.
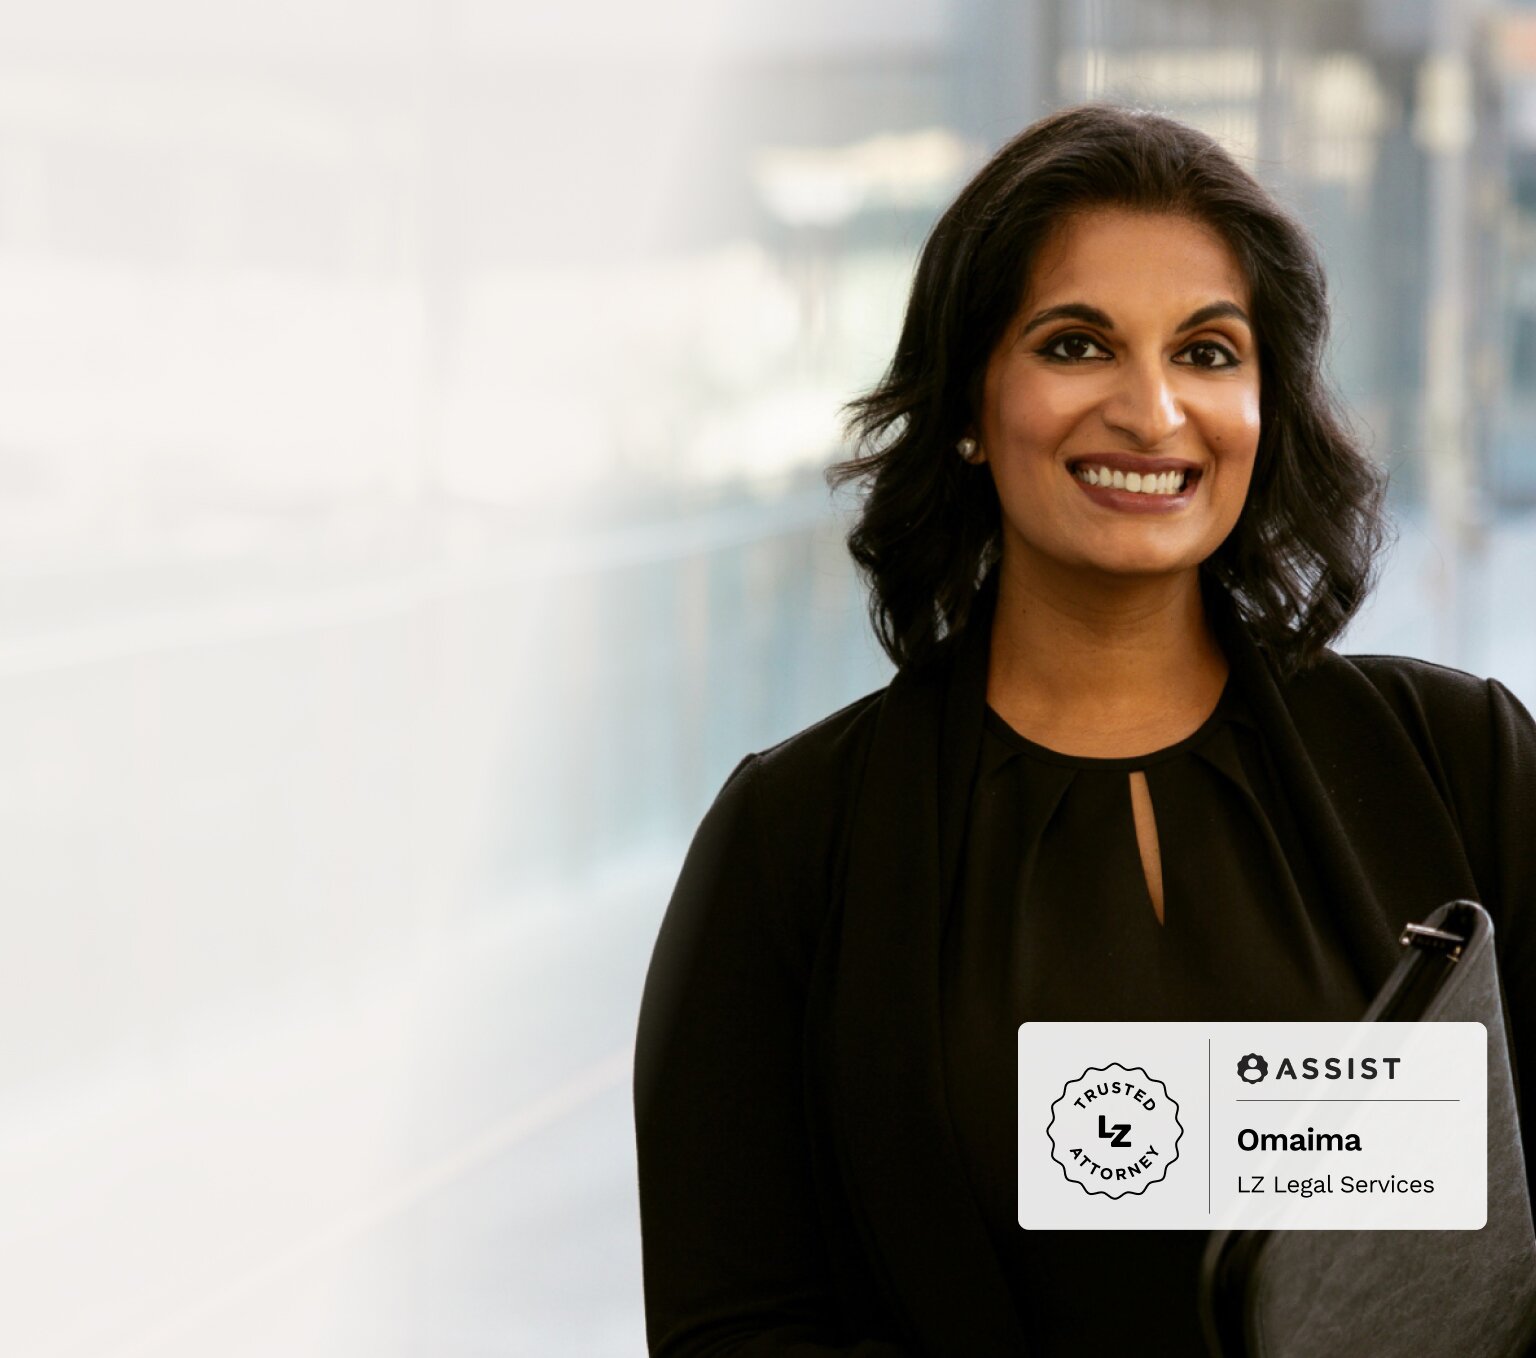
<point>1135,557</point>
<point>1133,568</point>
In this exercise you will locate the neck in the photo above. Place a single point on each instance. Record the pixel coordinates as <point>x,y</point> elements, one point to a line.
<point>1067,644</point>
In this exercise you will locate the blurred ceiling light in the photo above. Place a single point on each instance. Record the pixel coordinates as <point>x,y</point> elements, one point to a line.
<point>1164,76</point>
<point>1347,112</point>
<point>825,186</point>
<point>1444,120</point>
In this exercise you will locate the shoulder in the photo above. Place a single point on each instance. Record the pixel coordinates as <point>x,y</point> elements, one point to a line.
<point>802,787</point>
<point>764,862</point>
<point>1459,707</point>
<point>1401,678</point>
<point>1468,728</point>
<point>831,750</point>
<point>1420,693</point>
<point>1437,702</point>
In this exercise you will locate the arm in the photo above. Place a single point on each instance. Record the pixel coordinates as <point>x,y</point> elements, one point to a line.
<point>734,1259</point>
<point>1510,894</point>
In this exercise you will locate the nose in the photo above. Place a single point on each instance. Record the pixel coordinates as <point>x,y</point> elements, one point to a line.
<point>1143,404</point>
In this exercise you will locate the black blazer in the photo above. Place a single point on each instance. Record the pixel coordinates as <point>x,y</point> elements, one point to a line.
<point>801,1189</point>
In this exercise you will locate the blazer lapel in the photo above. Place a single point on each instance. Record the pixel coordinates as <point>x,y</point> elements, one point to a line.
<point>900,1155</point>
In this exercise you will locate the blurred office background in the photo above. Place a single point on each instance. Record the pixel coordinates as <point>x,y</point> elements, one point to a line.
<point>411,423</point>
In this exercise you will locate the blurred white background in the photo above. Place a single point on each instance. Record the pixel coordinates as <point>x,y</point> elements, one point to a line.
<point>411,423</point>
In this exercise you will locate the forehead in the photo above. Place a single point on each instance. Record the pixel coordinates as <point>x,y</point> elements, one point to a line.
<point>1119,259</point>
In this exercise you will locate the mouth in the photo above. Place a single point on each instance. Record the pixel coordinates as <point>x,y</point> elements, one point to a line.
<point>1136,484</point>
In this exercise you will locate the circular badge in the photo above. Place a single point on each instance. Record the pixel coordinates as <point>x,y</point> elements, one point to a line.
<point>1114,1130</point>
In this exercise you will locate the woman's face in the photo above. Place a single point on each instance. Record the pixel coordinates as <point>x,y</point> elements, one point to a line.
<point>1131,358</point>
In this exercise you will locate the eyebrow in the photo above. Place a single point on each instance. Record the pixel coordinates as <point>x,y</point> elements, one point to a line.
<point>1081,311</point>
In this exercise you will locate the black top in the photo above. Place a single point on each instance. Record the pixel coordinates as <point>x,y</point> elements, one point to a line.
<point>1054,920</point>
<point>802,1187</point>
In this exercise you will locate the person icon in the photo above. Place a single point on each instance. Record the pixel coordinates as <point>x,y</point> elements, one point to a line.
<point>1252,1068</point>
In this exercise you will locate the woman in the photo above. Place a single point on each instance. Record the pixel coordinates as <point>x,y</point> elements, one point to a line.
<point>1112,520</point>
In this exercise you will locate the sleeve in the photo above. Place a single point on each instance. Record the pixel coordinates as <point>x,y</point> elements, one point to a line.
<point>734,1260</point>
<point>1510,895</point>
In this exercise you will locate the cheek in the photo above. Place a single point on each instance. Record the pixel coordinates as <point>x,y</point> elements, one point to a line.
<point>1245,422</point>
<point>1251,422</point>
<point>1034,414</point>
<point>1235,431</point>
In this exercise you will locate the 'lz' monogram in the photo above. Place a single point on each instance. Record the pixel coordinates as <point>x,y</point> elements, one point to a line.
<point>1121,1130</point>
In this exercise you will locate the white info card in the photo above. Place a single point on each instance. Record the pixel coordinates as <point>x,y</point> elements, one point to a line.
<point>1253,1126</point>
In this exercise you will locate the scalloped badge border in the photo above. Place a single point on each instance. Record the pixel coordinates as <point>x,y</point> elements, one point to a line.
<point>1145,1183</point>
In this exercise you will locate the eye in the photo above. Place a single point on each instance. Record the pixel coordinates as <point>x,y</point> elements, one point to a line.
<point>1209,354</point>
<point>1069,348</point>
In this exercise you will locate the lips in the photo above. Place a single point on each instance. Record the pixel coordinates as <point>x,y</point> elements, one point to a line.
<point>1150,486</point>
<point>1122,479</point>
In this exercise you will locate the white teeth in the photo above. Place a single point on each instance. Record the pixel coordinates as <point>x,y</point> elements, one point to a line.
<point>1164,483</point>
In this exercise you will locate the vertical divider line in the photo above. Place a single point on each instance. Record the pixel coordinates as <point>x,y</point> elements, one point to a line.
<point>1207,1126</point>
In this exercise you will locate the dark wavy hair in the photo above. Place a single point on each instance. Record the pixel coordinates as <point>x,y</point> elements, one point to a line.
<point>1302,556</point>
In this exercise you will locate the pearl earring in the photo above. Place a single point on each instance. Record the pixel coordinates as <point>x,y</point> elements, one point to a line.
<point>969,450</point>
